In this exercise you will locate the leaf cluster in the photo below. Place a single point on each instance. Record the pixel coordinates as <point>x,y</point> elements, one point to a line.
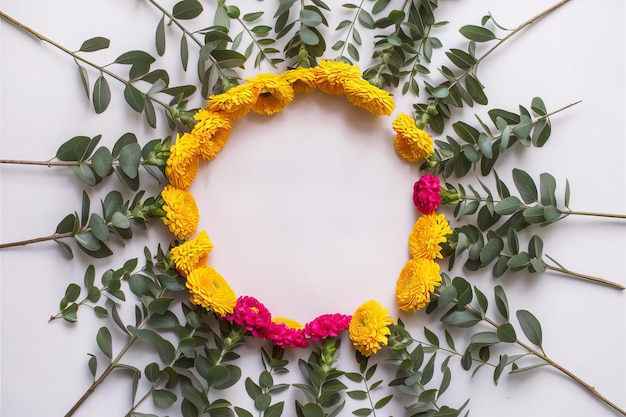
<point>474,146</point>
<point>306,43</point>
<point>484,245</point>
<point>364,376</point>
<point>93,165</point>
<point>322,388</point>
<point>402,52</point>
<point>92,230</point>
<point>261,392</point>
<point>456,297</point>
<point>139,71</point>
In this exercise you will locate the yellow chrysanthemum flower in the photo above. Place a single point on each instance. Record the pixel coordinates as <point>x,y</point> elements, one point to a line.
<point>412,143</point>
<point>211,291</point>
<point>331,76</point>
<point>369,327</point>
<point>428,232</point>
<point>191,254</point>
<point>182,215</point>
<point>212,130</point>
<point>234,103</point>
<point>302,80</point>
<point>369,97</point>
<point>182,165</point>
<point>274,93</point>
<point>418,279</point>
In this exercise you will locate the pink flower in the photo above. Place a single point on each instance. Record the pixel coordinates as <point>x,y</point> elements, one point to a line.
<point>251,314</point>
<point>286,333</point>
<point>426,194</point>
<point>326,325</point>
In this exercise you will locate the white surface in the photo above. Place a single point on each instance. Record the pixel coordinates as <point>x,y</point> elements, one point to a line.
<point>315,201</point>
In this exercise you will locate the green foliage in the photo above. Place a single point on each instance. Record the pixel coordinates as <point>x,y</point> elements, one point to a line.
<point>481,148</point>
<point>93,163</point>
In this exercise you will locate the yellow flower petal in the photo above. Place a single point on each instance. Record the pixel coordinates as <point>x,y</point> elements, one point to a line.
<point>371,98</point>
<point>234,103</point>
<point>369,327</point>
<point>411,143</point>
<point>274,93</point>
<point>210,290</point>
<point>182,215</point>
<point>302,80</point>
<point>429,231</point>
<point>182,165</point>
<point>416,282</point>
<point>331,76</point>
<point>191,254</point>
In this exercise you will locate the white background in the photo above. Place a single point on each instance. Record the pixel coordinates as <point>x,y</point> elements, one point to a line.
<point>310,209</point>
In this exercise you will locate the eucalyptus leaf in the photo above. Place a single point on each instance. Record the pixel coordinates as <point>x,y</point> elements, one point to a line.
<point>95,44</point>
<point>101,96</point>
<point>530,326</point>
<point>104,341</point>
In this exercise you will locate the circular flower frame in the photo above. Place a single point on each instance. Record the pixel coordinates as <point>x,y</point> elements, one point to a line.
<point>269,94</point>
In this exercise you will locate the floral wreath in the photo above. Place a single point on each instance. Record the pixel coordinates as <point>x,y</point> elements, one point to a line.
<point>269,94</point>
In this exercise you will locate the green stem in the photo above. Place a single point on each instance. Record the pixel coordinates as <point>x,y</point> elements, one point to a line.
<point>36,240</point>
<point>529,22</point>
<point>586,277</point>
<point>102,377</point>
<point>74,55</point>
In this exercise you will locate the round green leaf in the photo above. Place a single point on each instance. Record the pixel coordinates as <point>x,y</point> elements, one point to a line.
<point>509,205</point>
<point>88,241</point>
<point>310,17</point>
<point>163,398</point>
<point>102,161</point>
<point>506,333</point>
<point>119,221</point>
<point>98,227</point>
<point>308,37</point>
<point>312,410</point>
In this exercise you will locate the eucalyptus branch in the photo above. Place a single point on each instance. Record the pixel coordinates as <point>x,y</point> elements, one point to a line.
<point>102,377</point>
<point>542,355</point>
<point>473,68</point>
<point>351,28</point>
<point>532,330</point>
<point>77,57</point>
<point>598,280</point>
<point>54,236</point>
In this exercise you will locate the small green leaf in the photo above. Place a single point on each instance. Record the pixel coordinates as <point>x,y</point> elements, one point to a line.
<point>95,44</point>
<point>502,303</point>
<point>93,364</point>
<point>72,293</point>
<point>134,97</point>
<point>104,341</point>
<point>312,410</point>
<point>102,161</point>
<point>508,205</point>
<point>477,33</point>
<point>519,261</point>
<point>88,241</point>
<point>130,159</point>
<point>101,94</point>
<point>163,398</point>
<point>74,149</point>
<point>530,326</point>
<point>310,17</point>
<point>506,333</point>
<point>308,37</point>
<point>525,185</point>
<point>118,220</point>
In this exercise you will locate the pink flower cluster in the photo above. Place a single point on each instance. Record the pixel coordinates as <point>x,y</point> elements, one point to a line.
<point>426,194</point>
<point>327,325</point>
<point>257,319</point>
<point>285,336</point>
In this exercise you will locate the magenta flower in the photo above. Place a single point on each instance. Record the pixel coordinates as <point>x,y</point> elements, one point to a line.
<point>284,335</point>
<point>426,194</point>
<point>326,325</point>
<point>251,314</point>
